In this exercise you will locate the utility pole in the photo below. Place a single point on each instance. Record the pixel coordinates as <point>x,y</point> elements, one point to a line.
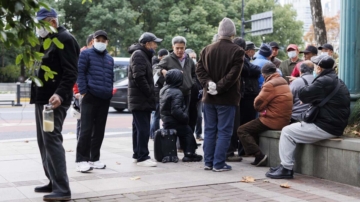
<point>242,20</point>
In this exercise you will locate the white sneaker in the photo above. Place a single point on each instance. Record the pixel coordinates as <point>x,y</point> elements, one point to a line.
<point>147,163</point>
<point>97,165</point>
<point>83,167</point>
<point>134,160</point>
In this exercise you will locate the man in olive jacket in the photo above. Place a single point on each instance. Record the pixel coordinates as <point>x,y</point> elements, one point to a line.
<point>178,59</point>
<point>141,95</point>
<point>219,70</point>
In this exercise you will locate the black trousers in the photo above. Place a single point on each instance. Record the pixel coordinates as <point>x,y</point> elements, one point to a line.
<point>244,113</point>
<point>141,134</point>
<point>52,150</point>
<point>186,138</point>
<point>94,112</point>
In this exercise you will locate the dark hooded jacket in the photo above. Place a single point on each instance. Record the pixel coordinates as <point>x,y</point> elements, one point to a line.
<point>141,95</point>
<point>172,106</point>
<point>333,116</point>
<point>250,79</point>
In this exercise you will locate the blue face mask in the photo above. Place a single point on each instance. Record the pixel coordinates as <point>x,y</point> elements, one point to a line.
<point>314,74</point>
<point>152,50</point>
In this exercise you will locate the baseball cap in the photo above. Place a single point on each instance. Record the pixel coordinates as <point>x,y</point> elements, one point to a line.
<point>44,13</point>
<point>100,33</point>
<point>162,52</point>
<point>324,61</point>
<point>292,46</point>
<point>326,46</point>
<point>251,46</point>
<point>268,68</point>
<point>310,49</point>
<point>148,37</point>
<point>273,44</point>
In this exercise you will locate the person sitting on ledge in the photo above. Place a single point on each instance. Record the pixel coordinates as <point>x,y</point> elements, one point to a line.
<point>274,103</point>
<point>329,123</point>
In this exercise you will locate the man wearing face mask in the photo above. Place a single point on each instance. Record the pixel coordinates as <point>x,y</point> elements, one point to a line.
<point>327,49</point>
<point>329,123</point>
<point>95,84</point>
<point>141,96</point>
<point>287,66</point>
<point>56,91</point>
<point>309,52</point>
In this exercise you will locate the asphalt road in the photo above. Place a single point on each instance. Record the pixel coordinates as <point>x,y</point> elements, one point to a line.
<point>18,123</point>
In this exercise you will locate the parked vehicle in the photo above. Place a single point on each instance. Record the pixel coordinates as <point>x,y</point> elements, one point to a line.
<point>119,99</point>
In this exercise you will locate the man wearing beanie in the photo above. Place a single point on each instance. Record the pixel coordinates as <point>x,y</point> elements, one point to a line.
<point>274,104</point>
<point>330,122</point>
<point>219,70</point>
<point>263,57</point>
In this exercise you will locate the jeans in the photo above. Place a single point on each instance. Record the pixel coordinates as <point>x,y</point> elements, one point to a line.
<point>155,121</point>
<point>219,123</point>
<point>198,127</point>
<point>52,150</point>
<point>94,112</point>
<point>141,134</point>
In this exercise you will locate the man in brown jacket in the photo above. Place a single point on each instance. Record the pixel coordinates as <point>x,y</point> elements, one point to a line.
<point>219,70</point>
<point>274,104</point>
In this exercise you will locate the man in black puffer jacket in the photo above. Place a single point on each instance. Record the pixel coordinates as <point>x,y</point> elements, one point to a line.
<point>141,97</point>
<point>173,115</point>
<point>329,123</point>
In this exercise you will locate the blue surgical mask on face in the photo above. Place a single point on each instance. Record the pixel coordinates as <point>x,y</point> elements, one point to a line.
<point>314,74</point>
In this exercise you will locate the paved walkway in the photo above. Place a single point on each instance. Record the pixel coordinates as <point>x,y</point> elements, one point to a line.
<point>122,180</point>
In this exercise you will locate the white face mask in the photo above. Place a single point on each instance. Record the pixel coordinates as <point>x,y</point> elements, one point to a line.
<point>100,46</point>
<point>292,54</point>
<point>42,32</point>
<point>324,53</point>
<point>194,60</point>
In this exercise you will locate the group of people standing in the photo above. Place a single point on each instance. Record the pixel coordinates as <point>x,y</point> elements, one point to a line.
<point>240,98</point>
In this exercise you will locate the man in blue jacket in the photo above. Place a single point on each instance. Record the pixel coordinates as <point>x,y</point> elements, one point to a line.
<point>95,82</point>
<point>262,58</point>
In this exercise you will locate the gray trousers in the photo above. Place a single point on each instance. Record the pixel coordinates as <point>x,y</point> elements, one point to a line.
<point>52,150</point>
<point>300,132</point>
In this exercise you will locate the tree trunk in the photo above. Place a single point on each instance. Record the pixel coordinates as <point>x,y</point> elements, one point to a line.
<point>318,22</point>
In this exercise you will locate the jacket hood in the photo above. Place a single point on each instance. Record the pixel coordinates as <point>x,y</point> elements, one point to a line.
<point>174,78</point>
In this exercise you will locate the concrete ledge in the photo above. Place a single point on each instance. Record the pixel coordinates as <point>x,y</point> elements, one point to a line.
<point>337,160</point>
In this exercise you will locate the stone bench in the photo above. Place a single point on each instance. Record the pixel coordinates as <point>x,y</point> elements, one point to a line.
<point>337,159</point>
<point>7,102</point>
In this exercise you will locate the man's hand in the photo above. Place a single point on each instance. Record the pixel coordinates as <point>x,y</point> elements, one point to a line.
<point>164,71</point>
<point>291,78</point>
<point>55,101</point>
<point>77,96</point>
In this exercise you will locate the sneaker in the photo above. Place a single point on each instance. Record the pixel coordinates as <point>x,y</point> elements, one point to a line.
<point>260,160</point>
<point>83,167</point>
<point>208,167</point>
<point>234,158</point>
<point>97,165</point>
<point>147,163</point>
<point>225,168</point>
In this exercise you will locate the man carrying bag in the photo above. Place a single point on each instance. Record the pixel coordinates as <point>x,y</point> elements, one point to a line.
<point>326,118</point>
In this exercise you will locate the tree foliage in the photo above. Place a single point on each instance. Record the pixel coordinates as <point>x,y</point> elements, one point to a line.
<point>332,26</point>
<point>198,21</point>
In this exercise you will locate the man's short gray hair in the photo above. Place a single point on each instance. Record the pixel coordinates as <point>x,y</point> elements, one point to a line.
<point>178,39</point>
<point>307,67</point>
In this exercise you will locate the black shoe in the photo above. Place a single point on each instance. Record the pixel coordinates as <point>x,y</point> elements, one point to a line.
<point>273,169</point>
<point>57,197</point>
<point>44,189</point>
<point>260,160</point>
<point>281,173</point>
<point>192,158</point>
<point>234,159</point>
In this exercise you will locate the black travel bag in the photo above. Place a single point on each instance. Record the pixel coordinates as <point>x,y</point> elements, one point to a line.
<point>165,145</point>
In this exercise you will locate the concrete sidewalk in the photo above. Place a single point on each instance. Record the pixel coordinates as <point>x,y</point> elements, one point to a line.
<point>122,180</point>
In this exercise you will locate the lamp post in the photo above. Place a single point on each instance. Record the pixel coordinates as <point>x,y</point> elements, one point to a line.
<point>242,20</point>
